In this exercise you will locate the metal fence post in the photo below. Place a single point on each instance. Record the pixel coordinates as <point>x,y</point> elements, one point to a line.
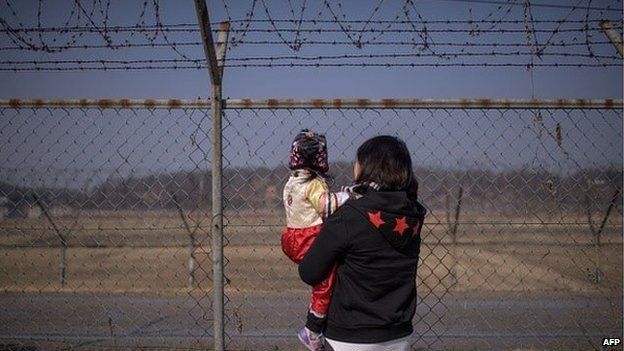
<point>215,68</point>
<point>192,244</point>
<point>217,224</point>
<point>217,198</point>
<point>613,35</point>
<point>63,240</point>
<point>453,231</point>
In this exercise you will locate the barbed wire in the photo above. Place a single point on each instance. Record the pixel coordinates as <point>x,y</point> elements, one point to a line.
<point>192,28</point>
<point>298,57</point>
<point>556,6</point>
<point>320,42</point>
<point>318,64</point>
<point>90,20</point>
<point>180,28</point>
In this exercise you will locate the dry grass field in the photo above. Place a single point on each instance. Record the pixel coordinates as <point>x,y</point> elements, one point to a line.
<point>150,255</point>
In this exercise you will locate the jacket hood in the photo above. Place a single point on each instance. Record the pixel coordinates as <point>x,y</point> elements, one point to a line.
<point>395,216</point>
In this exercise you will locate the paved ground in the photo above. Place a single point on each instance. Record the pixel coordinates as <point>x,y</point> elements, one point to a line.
<point>265,322</point>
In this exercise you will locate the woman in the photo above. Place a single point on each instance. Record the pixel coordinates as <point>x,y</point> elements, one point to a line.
<point>375,240</point>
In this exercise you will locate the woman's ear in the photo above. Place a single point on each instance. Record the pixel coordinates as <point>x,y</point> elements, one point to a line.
<point>356,171</point>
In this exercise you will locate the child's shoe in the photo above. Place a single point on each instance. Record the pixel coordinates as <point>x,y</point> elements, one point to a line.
<point>313,341</point>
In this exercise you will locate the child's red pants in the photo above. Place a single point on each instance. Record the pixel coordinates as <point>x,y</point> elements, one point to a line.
<point>295,244</point>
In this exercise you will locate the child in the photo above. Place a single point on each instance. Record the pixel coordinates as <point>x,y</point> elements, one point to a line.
<point>308,203</point>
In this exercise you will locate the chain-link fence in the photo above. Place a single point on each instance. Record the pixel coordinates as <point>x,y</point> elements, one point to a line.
<point>104,227</point>
<point>518,248</point>
<point>106,217</point>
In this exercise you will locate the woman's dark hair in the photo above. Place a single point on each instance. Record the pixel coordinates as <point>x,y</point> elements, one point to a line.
<point>385,160</point>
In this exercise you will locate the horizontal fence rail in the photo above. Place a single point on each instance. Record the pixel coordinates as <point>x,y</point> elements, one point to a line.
<point>319,103</point>
<point>106,217</point>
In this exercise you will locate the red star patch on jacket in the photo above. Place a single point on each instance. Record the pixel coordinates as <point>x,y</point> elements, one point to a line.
<point>375,218</point>
<point>401,225</point>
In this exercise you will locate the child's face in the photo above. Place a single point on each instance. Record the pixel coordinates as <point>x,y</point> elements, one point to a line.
<point>356,170</point>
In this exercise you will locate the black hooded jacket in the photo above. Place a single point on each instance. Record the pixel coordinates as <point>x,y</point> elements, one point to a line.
<point>375,242</point>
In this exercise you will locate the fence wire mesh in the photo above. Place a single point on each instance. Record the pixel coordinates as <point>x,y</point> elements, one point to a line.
<point>105,226</point>
<point>515,252</point>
